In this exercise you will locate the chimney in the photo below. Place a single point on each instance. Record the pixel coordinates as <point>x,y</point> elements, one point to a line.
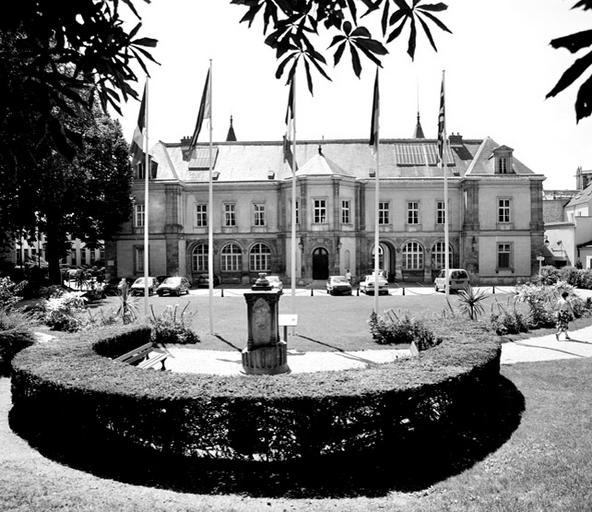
<point>579,179</point>
<point>455,139</point>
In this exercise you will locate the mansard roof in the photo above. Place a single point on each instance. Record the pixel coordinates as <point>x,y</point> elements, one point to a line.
<point>582,197</point>
<point>258,160</point>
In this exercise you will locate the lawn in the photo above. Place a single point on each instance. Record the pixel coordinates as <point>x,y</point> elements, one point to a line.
<point>324,322</point>
<point>543,462</point>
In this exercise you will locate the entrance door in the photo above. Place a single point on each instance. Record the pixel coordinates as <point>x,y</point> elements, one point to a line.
<point>320,264</point>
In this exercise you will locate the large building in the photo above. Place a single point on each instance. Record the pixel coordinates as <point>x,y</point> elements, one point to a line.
<point>495,210</point>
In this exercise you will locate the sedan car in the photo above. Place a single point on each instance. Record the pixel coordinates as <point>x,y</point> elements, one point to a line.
<point>338,285</point>
<point>203,281</point>
<point>174,286</point>
<point>367,285</point>
<point>137,287</point>
<point>276,283</point>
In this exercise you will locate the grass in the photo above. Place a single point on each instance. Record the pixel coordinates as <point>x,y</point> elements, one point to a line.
<point>546,464</point>
<point>324,323</point>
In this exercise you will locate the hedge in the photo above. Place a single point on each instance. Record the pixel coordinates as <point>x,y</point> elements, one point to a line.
<point>71,383</point>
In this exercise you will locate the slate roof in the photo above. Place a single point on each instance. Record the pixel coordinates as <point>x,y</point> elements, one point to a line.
<point>255,161</point>
<point>583,197</point>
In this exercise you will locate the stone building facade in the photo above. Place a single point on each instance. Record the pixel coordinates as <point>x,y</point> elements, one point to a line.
<point>495,211</point>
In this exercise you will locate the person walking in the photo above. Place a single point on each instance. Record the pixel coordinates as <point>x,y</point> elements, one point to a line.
<point>564,314</point>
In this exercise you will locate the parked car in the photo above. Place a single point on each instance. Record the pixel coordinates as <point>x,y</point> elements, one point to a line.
<point>174,286</point>
<point>367,285</point>
<point>276,283</point>
<point>203,281</point>
<point>338,285</point>
<point>138,287</point>
<point>459,280</point>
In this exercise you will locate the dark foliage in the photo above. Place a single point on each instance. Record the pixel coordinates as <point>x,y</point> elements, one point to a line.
<point>259,418</point>
<point>290,27</point>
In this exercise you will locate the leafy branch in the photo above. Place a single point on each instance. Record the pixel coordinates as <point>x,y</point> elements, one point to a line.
<point>292,25</point>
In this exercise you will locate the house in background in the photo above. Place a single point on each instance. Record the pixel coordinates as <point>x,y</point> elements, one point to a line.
<point>495,210</point>
<point>568,223</point>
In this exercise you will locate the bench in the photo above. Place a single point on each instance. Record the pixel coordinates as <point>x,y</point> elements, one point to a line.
<point>145,356</point>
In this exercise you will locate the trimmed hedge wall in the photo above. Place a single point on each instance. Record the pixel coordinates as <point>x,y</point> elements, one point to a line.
<point>70,383</point>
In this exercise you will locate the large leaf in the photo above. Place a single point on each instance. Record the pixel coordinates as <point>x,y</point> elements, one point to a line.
<point>571,74</point>
<point>584,100</point>
<point>573,42</point>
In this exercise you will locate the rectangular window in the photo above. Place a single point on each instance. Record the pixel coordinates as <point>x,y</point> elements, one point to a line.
<point>259,215</point>
<point>504,255</point>
<point>93,256</point>
<point>502,165</point>
<point>139,259</point>
<point>229,214</point>
<point>412,212</point>
<point>73,256</point>
<point>503,210</point>
<point>201,215</point>
<point>140,171</point>
<point>383,213</point>
<point>320,211</point>
<point>440,213</point>
<point>345,212</point>
<point>83,256</point>
<point>139,216</point>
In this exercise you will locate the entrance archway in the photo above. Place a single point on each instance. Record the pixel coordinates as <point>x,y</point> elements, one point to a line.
<point>386,259</point>
<point>320,263</point>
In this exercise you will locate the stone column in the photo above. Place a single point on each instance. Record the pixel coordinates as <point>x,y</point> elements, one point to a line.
<point>265,353</point>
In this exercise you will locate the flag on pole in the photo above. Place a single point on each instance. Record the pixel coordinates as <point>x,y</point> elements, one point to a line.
<point>441,125</point>
<point>375,114</point>
<point>137,146</point>
<point>290,135</point>
<point>205,112</point>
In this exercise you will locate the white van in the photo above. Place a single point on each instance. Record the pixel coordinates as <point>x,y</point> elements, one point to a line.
<point>459,280</point>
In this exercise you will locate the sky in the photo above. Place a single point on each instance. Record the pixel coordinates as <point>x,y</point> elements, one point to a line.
<point>498,62</point>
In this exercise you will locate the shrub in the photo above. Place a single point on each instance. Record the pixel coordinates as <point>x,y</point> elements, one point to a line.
<point>570,275</point>
<point>586,279</point>
<point>9,292</point>
<point>507,321</point>
<point>63,313</point>
<point>15,334</point>
<point>170,327</point>
<point>470,302</point>
<point>390,329</point>
<point>549,275</point>
<point>66,386</point>
<point>541,302</point>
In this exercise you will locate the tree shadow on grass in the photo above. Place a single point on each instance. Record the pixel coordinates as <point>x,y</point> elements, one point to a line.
<point>408,465</point>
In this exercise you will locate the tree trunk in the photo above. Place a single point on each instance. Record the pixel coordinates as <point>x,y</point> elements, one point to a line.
<point>55,244</point>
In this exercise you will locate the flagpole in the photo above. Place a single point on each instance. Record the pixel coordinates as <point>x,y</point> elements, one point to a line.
<point>293,257</point>
<point>146,206</point>
<point>210,220</point>
<point>445,173</point>
<point>376,202</point>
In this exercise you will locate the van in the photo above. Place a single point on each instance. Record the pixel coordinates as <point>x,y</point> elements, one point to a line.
<point>459,280</point>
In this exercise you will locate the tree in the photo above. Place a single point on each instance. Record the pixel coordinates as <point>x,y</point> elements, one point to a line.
<point>87,197</point>
<point>293,24</point>
<point>574,43</point>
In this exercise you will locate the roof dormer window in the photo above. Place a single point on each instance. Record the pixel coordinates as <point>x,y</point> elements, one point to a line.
<point>502,160</point>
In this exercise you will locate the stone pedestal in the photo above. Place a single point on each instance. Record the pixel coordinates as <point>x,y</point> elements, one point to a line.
<point>265,353</point>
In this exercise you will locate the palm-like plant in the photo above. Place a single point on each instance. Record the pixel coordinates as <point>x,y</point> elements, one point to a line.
<point>470,300</point>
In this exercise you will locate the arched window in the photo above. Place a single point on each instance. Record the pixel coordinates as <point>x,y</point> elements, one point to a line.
<point>199,258</point>
<point>412,256</point>
<point>230,258</point>
<point>438,257</point>
<point>260,258</point>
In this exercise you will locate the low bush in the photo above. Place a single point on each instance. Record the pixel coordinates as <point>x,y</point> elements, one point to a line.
<point>392,329</point>
<point>171,326</point>
<point>69,385</point>
<point>548,275</point>
<point>10,292</point>
<point>63,312</point>
<point>15,335</point>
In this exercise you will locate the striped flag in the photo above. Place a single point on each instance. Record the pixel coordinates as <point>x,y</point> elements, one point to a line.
<point>441,126</point>
<point>205,112</point>
<point>137,145</point>
<point>375,115</point>
<point>290,135</point>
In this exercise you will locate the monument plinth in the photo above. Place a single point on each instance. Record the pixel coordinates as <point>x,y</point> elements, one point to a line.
<point>265,353</point>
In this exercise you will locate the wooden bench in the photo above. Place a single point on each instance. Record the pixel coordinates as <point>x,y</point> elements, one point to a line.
<point>145,356</point>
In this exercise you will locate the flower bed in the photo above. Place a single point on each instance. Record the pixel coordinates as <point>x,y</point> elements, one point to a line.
<point>73,384</point>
